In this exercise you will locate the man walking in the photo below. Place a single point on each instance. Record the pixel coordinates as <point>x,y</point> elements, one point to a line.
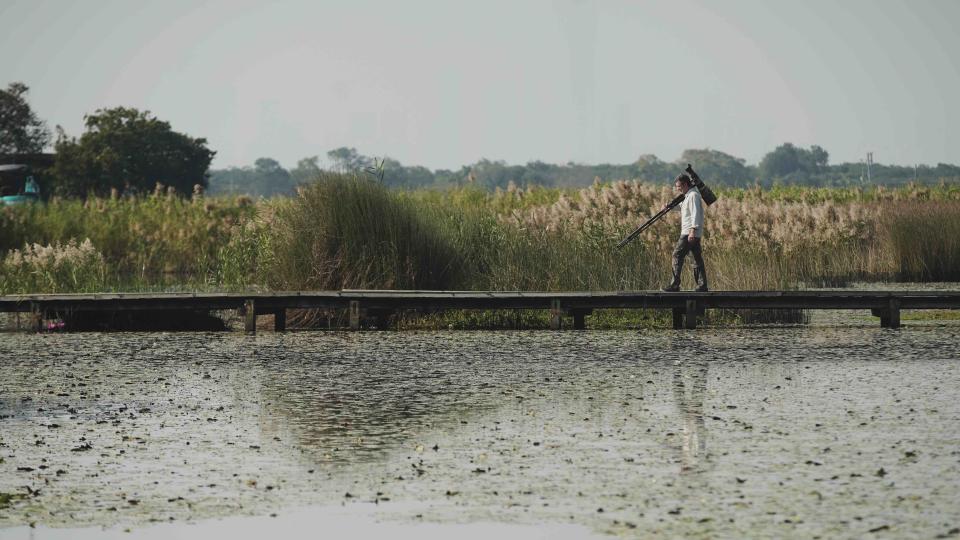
<point>691,231</point>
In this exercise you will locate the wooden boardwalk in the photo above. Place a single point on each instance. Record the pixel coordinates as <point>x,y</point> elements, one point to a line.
<point>378,305</point>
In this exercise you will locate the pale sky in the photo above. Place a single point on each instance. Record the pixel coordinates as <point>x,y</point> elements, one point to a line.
<point>444,83</point>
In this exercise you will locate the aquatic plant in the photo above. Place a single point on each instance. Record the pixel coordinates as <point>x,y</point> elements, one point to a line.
<point>347,231</point>
<point>922,241</point>
<point>57,268</point>
<point>142,239</point>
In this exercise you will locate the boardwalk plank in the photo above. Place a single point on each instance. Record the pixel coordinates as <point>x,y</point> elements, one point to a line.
<point>571,301</point>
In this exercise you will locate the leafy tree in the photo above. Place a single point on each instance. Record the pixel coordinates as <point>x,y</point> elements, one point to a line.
<point>782,161</point>
<point>128,150</point>
<point>820,157</point>
<point>348,160</point>
<point>21,132</point>
<point>275,180</point>
<point>716,167</point>
<point>652,169</point>
<point>267,178</point>
<point>395,174</point>
<point>538,173</point>
<point>796,165</point>
<point>307,169</point>
<point>494,174</point>
<point>232,181</point>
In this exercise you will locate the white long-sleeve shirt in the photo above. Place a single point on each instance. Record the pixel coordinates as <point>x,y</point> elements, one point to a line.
<point>691,213</point>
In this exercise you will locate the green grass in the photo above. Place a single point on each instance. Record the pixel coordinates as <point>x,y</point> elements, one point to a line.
<point>7,499</point>
<point>350,232</point>
<point>930,315</point>
<point>141,238</point>
<point>923,240</point>
<point>817,195</point>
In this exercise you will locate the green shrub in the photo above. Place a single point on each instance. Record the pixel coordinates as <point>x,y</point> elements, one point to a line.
<point>347,231</point>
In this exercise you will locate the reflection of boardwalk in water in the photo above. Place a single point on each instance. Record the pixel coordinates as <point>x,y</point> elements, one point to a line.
<point>689,388</point>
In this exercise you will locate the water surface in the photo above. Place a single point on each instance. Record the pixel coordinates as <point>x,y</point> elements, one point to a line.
<point>777,431</point>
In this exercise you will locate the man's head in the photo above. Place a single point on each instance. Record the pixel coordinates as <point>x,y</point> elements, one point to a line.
<point>682,183</point>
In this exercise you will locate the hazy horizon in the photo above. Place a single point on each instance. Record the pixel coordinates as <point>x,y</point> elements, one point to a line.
<point>443,85</point>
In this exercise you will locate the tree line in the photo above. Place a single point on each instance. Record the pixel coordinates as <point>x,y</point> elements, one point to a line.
<point>785,165</point>
<point>125,150</point>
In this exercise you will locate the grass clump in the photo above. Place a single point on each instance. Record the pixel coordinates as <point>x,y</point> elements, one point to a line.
<point>60,268</point>
<point>142,238</point>
<point>7,499</point>
<point>345,232</point>
<point>922,241</point>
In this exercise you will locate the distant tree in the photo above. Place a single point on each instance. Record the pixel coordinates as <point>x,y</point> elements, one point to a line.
<point>128,150</point>
<point>232,181</point>
<point>782,161</point>
<point>538,173</point>
<point>652,169</point>
<point>395,174</point>
<point>493,174</point>
<point>716,167</point>
<point>272,177</point>
<point>267,178</point>
<point>820,157</point>
<point>348,160</point>
<point>649,160</point>
<point>307,170</point>
<point>21,131</point>
<point>445,178</point>
<point>796,165</point>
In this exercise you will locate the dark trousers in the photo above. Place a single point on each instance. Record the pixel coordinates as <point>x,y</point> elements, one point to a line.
<point>685,246</point>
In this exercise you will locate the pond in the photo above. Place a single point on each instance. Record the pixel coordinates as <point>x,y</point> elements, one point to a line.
<point>817,430</point>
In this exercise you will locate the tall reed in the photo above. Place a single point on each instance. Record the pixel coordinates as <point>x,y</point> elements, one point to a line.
<point>922,241</point>
<point>60,268</point>
<point>350,232</point>
<point>141,238</point>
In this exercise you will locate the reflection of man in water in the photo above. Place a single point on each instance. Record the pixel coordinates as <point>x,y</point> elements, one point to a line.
<point>689,387</point>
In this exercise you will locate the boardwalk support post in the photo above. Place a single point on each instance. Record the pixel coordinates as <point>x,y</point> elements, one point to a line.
<point>579,318</point>
<point>249,316</point>
<point>677,318</point>
<point>280,320</point>
<point>381,318</point>
<point>354,314</point>
<point>556,315</point>
<point>893,313</point>
<point>691,315</point>
<point>36,318</point>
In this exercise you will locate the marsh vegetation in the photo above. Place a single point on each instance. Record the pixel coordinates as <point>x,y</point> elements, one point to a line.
<point>347,231</point>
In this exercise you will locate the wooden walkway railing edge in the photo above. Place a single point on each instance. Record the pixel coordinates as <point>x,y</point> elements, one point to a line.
<point>686,306</point>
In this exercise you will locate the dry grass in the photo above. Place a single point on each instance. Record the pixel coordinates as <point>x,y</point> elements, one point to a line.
<point>145,237</point>
<point>759,240</point>
<point>348,232</point>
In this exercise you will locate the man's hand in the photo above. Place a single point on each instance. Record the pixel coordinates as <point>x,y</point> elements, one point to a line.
<point>692,238</point>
